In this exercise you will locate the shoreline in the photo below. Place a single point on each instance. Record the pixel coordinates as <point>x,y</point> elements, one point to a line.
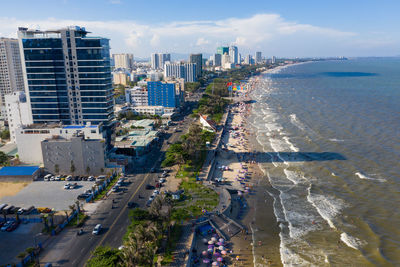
<point>259,217</point>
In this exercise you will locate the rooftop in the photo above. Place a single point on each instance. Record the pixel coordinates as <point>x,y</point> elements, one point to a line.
<point>18,170</point>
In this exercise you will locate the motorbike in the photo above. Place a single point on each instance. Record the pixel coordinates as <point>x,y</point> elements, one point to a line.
<point>80,232</point>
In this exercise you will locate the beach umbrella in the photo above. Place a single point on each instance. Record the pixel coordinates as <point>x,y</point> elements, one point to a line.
<point>217,254</point>
<point>210,242</point>
<point>210,250</point>
<point>214,239</point>
<point>220,259</point>
<point>204,252</point>
<point>246,191</point>
<point>221,248</point>
<point>221,240</point>
<point>220,243</point>
<point>206,260</point>
<point>215,263</point>
<point>224,252</point>
<point>210,246</point>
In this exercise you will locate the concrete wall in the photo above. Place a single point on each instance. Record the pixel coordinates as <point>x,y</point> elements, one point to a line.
<point>83,153</point>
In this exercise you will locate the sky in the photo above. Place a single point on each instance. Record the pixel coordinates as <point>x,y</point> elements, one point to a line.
<point>282,28</point>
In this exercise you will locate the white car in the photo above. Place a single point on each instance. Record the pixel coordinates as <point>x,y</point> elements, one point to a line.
<point>156,192</point>
<point>162,180</point>
<point>68,178</point>
<point>115,188</point>
<point>97,229</point>
<point>67,186</point>
<point>90,178</point>
<point>151,198</point>
<point>52,178</point>
<point>58,178</point>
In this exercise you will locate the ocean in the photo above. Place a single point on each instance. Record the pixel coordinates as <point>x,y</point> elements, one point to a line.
<point>329,136</point>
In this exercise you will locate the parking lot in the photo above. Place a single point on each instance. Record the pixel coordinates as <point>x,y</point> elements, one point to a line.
<point>47,194</point>
<point>17,241</point>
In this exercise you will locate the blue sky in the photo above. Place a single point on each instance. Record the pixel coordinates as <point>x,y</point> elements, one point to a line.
<point>282,28</point>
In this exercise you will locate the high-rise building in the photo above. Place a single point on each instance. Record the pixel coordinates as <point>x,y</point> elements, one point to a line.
<point>120,77</point>
<point>163,94</point>
<point>258,58</point>
<point>248,60</point>
<point>198,60</point>
<point>163,58</point>
<point>273,60</point>
<point>67,76</point>
<point>217,59</point>
<point>11,78</point>
<point>222,50</point>
<point>155,61</point>
<point>225,59</point>
<point>137,96</point>
<point>234,54</point>
<point>187,71</point>
<point>123,61</point>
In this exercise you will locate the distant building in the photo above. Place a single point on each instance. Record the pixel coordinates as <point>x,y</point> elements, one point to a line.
<point>120,78</point>
<point>18,112</point>
<point>248,60</point>
<point>123,61</point>
<point>29,138</point>
<point>234,55</point>
<point>154,76</point>
<point>87,156</point>
<point>258,58</point>
<point>11,77</point>
<point>67,76</point>
<point>273,60</point>
<point>217,60</point>
<point>163,94</point>
<point>136,96</point>
<point>187,71</point>
<point>158,60</point>
<point>198,60</point>
<point>222,50</point>
<point>155,61</point>
<point>207,124</point>
<point>225,59</point>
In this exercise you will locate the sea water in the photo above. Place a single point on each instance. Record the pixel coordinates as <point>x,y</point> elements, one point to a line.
<point>329,133</point>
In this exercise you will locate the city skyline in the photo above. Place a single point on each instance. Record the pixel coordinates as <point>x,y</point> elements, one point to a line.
<point>315,29</point>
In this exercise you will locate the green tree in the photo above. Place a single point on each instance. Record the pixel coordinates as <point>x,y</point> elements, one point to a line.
<point>5,134</point>
<point>3,158</point>
<point>105,257</point>
<point>72,168</point>
<point>56,168</point>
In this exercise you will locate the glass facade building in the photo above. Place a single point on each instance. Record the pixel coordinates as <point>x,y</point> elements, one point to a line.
<point>67,76</point>
<point>163,94</point>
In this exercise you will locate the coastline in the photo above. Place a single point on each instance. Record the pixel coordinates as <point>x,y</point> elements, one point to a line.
<point>261,245</point>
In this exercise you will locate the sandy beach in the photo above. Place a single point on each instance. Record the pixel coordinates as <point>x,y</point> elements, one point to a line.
<point>252,206</point>
<point>11,188</point>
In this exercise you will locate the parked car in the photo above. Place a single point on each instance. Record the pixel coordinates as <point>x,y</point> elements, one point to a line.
<point>52,178</point>
<point>88,191</point>
<point>12,227</point>
<point>57,178</point>
<point>91,178</point>
<point>67,186</point>
<point>156,192</point>
<point>2,206</point>
<point>21,211</point>
<point>68,178</point>
<point>162,180</point>
<point>100,178</point>
<point>115,188</point>
<point>5,226</point>
<point>83,196</point>
<point>97,229</point>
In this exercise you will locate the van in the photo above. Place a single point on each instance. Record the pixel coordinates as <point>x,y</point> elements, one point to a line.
<point>8,209</point>
<point>2,206</point>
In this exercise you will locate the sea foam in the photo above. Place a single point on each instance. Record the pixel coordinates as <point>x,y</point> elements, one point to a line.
<point>364,177</point>
<point>351,241</point>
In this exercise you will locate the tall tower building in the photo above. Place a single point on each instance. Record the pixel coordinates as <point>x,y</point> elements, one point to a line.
<point>258,58</point>
<point>222,50</point>
<point>67,76</point>
<point>217,60</point>
<point>163,58</point>
<point>11,78</point>
<point>234,54</point>
<point>155,61</point>
<point>123,61</point>
<point>198,60</point>
<point>273,60</point>
<point>186,71</point>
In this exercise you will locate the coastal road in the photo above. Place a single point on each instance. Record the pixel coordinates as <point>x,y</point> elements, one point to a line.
<point>68,249</point>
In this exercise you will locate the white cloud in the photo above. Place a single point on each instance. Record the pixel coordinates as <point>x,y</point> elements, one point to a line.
<point>269,33</point>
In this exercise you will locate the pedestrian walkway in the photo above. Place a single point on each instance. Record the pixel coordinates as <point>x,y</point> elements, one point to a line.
<point>183,245</point>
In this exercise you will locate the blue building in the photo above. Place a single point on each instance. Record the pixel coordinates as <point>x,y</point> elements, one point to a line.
<point>67,76</point>
<point>163,94</point>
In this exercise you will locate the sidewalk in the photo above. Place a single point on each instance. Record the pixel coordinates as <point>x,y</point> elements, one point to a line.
<point>183,245</point>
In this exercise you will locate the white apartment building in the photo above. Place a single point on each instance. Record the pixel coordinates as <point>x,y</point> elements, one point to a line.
<point>11,77</point>
<point>123,61</point>
<point>234,55</point>
<point>120,78</point>
<point>258,58</point>
<point>29,138</point>
<point>136,96</point>
<point>248,60</point>
<point>18,112</point>
<point>159,59</point>
<point>187,71</point>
